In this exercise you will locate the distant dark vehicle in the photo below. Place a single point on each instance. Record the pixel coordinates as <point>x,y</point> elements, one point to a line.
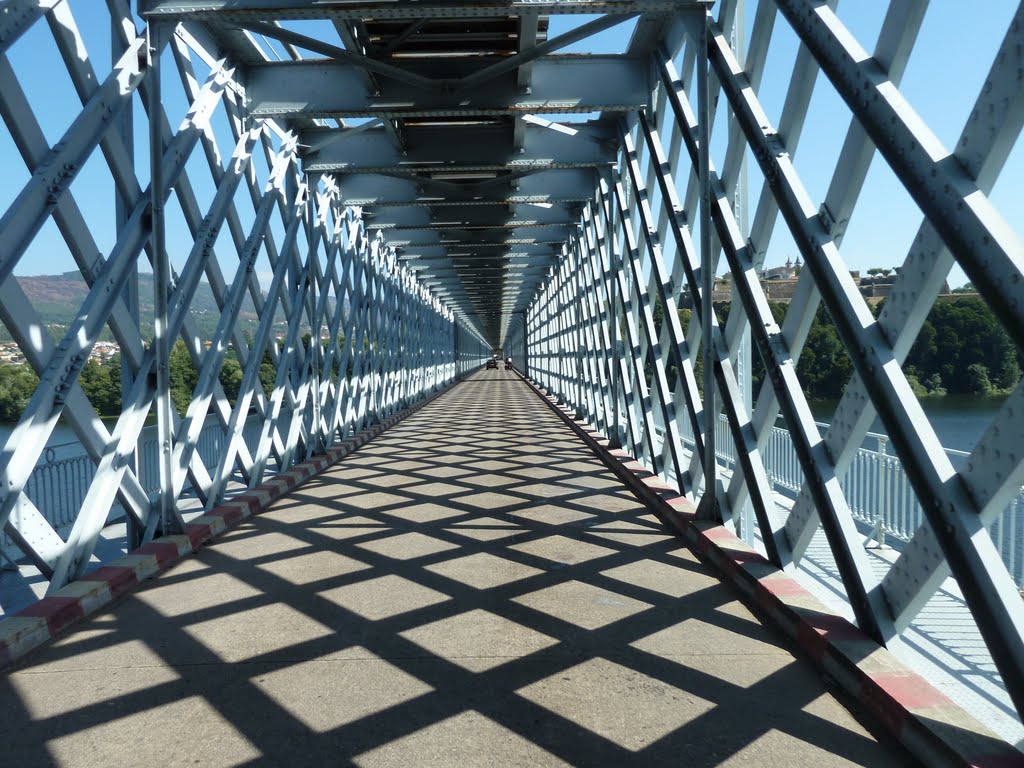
<point>508,364</point>
<point>492,363</point>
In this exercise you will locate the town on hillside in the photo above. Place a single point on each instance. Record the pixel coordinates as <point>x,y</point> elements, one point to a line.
<point>779,284</point>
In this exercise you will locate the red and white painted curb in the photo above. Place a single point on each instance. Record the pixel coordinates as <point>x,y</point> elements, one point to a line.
<point>30,628</point>
<point>919,716</point>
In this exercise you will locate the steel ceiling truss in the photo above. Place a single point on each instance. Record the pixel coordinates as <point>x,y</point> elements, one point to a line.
<point>453,97</point>
<point>604,332</point>
<point>386,339</point>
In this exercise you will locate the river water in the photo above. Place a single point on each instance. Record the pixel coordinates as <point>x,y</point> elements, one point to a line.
<point>958,420</point>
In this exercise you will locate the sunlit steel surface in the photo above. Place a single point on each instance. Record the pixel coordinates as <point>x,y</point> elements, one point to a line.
<point>430,198</point>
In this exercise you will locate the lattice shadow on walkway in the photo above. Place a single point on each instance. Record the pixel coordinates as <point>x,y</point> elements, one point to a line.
<point>471,588</point>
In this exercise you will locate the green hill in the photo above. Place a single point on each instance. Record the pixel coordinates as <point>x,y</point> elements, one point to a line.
<point>57,299</point>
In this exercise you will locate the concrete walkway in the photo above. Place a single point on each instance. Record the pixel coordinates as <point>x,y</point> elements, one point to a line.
<point>471,588</point>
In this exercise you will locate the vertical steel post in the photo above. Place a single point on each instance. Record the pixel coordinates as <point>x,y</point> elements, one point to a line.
<point>708,505</point>
<point>526,347</point>
<point>455,349</point>
<point>615,438</point>
<point>130,293</point>
<point>161,281</point>
<point>744,367</point>
<point>313,261</point>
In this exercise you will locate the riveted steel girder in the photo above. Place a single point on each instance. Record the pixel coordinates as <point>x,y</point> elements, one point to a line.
<point>433,149</point>
<point>340,9</point>
<point>536,187</point>
<point>470,217</point>
<point>566,84</point>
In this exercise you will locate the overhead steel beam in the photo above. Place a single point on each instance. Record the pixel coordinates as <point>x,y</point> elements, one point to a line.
<point>437,271</point>
<point>472,241</point>
<point>562,84</point>
<point>453,148</point>
<point>535,52</point>
<point>369,80</point>
<point>528,25</point>
<point>469,253</point>
<point>470,261</point>
<point>257,10</point>
<point>338,54</point>
<point>514,233</point>
<point>452,217</point>
<point>541,187</point>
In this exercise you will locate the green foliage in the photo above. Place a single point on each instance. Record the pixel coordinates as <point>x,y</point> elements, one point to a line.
<point>184,376</point>
<point>102,385</point>
<point>918,388</point>
<point>961,349</point>
<point>231,377</point>
<point>934,385</point>
<point>268,373</point>
<point>958,335</point>
<point>824,367</point>
<point>658,311</point>
<point>17,383</point>
<point>977,381</point>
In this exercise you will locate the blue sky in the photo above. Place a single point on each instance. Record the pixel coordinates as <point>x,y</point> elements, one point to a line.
<point>943,78</point>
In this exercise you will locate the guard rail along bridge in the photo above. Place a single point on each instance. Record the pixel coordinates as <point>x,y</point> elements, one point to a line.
<point>364,546</point>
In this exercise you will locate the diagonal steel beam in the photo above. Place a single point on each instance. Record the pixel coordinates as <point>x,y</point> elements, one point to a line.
<point>952,513</point>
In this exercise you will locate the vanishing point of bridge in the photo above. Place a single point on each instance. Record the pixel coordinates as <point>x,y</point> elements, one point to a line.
<point>356,543</point>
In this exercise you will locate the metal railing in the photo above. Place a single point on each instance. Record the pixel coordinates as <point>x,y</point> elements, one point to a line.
<point>876,486</point>
<point>57,486</point>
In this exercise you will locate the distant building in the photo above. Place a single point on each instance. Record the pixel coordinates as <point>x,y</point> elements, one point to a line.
<point>789,271</point>
<point>779,284</point>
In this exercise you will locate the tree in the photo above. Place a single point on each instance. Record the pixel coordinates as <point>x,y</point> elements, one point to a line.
<point>184,376</point>
<point>977,381</point>
<point>231,377</point>
<point>268,373</point>
<point>957,335</point>
<point>102,385</point>
<point>824,367</point>
<point>17,383</point>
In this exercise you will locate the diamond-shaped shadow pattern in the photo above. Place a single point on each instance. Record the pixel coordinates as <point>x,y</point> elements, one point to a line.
<point>409,622</point>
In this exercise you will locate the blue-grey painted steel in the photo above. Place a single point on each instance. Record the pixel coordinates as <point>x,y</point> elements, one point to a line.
<point>463,217</point>
<point>473,148</point>
<point>560,86</point>
<point>443,9</point>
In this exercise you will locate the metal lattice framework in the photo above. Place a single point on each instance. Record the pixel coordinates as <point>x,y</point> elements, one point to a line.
<point>387,340</point>
<point>428,197</point>
<point>592,337</point>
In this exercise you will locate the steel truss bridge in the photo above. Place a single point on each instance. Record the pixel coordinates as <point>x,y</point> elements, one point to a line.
<point>419,184</point>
